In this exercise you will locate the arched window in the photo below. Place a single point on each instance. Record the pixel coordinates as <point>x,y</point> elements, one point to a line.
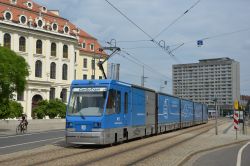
<point>65,72</point>
<point>38,69</point>
<point>53,70</point>
<point>53,49</point>
<point>64,95</point>
<point>65,51</point>
<point>22,44</point>
<point>39,47</point>
<point>7,40</point>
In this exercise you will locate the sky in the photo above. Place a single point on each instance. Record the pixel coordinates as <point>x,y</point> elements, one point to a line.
<point>208,18</point>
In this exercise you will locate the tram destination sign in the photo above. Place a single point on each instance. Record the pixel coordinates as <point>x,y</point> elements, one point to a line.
<point>94,89</point>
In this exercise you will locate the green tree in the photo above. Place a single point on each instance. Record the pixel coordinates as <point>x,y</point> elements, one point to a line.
<point>52,108</point>
<point>16,109</point>
<point>56,108</point>
<point>11,110</point>
<point>13,73</point>
<point>41,110</point>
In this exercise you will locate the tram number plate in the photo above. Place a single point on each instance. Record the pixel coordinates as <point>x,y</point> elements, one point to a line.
<point>83,127</point>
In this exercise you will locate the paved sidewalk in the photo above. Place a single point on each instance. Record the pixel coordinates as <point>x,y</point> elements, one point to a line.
<point>209,141</point>
<point>8,127</point>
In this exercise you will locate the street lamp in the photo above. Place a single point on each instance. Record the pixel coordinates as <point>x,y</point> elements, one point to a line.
<point>216,124</point>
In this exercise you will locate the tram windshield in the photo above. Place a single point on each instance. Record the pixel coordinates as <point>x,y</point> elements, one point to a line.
<point>87,101</point>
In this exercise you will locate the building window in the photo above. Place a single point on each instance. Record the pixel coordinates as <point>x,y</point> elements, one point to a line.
<point>66,29</point>
<point>22,44</point>
<point>100,77</point>
<point>39,22</point>
<point>83,45</point>
<point>92,47</point>
<point>52,93</point>
<point>85,63</point>
<point>23,19</point>
<point>75,58</point>
<point>53,70</point>
<point>53,49</point>
<point>65,72</point>
<point>38,69</point>
<point>20,96</point>
<point>65,51</point>
<point>92,77</point>
<point>64,95</point>
<point>7,40</point>
<point>39,47</point>
<point>44,9</point>
<point>54,27</point>
<point>84,76</point>
<point>29,5</point>
<point>13,2</point>
<point>8,15</point>
<point>93,63</point>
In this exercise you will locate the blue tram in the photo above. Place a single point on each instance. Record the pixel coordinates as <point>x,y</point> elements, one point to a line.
<point>109,111</point>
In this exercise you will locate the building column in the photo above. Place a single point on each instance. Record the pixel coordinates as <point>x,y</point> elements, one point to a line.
<point>28,104</point>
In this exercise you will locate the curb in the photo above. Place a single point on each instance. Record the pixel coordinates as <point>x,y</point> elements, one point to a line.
<point>209,149</point>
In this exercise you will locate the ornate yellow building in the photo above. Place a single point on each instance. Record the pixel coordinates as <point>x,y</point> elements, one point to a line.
<point>55,49</point>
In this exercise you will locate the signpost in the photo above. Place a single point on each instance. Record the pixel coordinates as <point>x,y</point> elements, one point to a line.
<point>236,122</point>
<point>236,116</point>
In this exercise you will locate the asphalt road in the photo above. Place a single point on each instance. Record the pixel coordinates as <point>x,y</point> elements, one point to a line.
<point>14,143</point>
<point>225,156</point>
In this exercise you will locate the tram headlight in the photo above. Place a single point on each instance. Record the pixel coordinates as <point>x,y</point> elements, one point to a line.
<point>97,124</point>
<point>69,125</point>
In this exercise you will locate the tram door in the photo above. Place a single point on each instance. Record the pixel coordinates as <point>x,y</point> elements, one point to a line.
<point>126,108</point>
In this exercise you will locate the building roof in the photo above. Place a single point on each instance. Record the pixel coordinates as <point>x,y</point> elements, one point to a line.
<point>35,14</point>
<point>216,59</point>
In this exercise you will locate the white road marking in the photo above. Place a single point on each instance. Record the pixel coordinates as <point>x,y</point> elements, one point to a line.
<point>11,136</point>
<point>240,153</point>
<point>4,147</point>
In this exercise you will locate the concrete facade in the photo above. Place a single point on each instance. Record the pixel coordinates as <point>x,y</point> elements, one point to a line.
<point>209,79</point>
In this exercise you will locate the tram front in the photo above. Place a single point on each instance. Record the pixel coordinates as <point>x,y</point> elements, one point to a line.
<point>85,113</point>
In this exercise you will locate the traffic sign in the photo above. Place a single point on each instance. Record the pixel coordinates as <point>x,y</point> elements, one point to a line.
<point>236,104</point>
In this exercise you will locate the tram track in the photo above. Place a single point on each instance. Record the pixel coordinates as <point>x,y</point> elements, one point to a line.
<point>145,146</point>
<point>98,155</point>
<point>54,154</point>
<point>129,147</point>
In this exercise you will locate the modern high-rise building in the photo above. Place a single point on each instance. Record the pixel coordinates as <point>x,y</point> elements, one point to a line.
<point>208,80</point>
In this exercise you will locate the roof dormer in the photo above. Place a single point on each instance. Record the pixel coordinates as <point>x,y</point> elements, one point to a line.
<point>23,19</point>
<point>29,4</point>
<point>39,22</point>
<point>54,27</point>
<point>13,2</point>
<point>43,9</point>
<point>7,15</point>
<point>66,29</point>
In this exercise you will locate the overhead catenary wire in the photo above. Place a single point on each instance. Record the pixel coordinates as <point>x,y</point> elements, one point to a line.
<point>130,20</point>
<point>143,64</point>
<point>178,18</point>
<point>136,25</point>
<point>212,37</point>
<point>146,67</point>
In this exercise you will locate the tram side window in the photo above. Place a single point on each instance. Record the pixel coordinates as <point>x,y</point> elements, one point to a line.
<point>111,102</point>
<point>118,102</point>
<point>126,103</point>
<point>114,102</point>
